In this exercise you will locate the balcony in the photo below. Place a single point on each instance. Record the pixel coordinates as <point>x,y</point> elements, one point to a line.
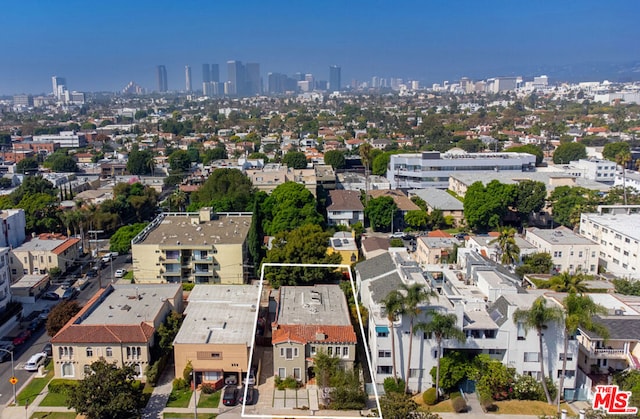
<point>620,351</point>
<point>199,259</point>
<point>609,353</point>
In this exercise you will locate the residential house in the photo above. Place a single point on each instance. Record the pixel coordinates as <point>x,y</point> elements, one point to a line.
<point>118,324</point>
<point>42,253</point>
<point>344,208</point>
<point>434,250</point>
<point>569,251</point>
<point>311,320</point>
<point>199,247</point>
<point>345,245</point>
<point>217,331</point>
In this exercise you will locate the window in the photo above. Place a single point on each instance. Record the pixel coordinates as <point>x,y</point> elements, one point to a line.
<point>580,254</point>
<point>109,352</point>
<point>330,350</point>
<point>534,374</point>
<point>531,357</point>
<point>296,374</point>
<point>567,373</point>
<point>282,373</point>
<point>288,353</point>
<point>616,248</point>
<point>384,354</point>
<point>625,253</point>
<point>593,254</point>
<point>345,352</point>
<point>415,372</point>
<point>569,357</point>
<point>385,369</point>
<point>67,369</point>
<point>313,350</point>
<point>89,352</point>
<point>592,268</point>
<point>87,370</point>
<point>216,355</point>
<point>381,334</point>
<point>49,259</point>
<point>522,333</point>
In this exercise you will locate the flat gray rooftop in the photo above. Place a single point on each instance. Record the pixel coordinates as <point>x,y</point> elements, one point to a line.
<point>561,235</point>
<point>319,304</point>
<point>625,224</point>
<point>221,314</point>
<point>131,304</point>
<point>186,229</point>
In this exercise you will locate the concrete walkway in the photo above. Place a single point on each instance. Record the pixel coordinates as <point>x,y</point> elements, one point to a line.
<point>160,395</point>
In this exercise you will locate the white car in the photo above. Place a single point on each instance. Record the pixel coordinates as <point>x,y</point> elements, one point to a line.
<point>35,361</point>
<point>120,273</point>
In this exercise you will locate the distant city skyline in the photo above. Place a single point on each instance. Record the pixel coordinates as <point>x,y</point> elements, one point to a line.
<point>114,43</point>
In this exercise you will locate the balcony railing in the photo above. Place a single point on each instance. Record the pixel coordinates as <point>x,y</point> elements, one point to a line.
<point>609,352</point>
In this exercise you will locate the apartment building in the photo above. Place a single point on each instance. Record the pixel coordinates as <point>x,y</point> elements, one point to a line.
<point>311,320</point>
<point>569,251</point>
<point>42,253</point>
<point>14,225</point>
<point>432,169</point>
<point>599,170</point>
<point>200,247</point>
<point>118,324</point>
<point>217,331</point>
<point>616,229</point>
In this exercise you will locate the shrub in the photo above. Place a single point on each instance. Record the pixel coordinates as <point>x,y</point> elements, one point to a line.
<point>207,388</point>
<point>459,404</point>
<point>186,373</point>
<point>153,370</point>
<point>188,286</point>
<point>288,382</point>
<point>430,396</point>
<point>392,386</point>
<point>490,406</point>
<point>60,385</point>
<point>528,388</point>
<point>179,384</point>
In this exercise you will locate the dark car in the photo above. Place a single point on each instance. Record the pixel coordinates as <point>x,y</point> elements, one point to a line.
<point>230,396</point>
<point>22,337</point>
<point>69,293</point>
<point>7,346</point>
<point>35,324</point>
<point>251,399</point>
<point>48,349</point>
<point>50,295</point>
<point>92,273</point>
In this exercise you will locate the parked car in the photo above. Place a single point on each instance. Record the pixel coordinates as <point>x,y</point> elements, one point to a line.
<point>69,293</point>
<point>92,273</point>
<point>50,295</point>
<point>120,273</point>
<point>231,380</point>
<point>252,378</point>
<point>251,399</point>
<point>48,349</point>
<point>35,361</point>
<point>44,313</point>
<point>109,257</point>
<point>35,324</point>
<point>68,283</point>
<point>22,337</point>
<point>230,396</point>
<point>7,346</point>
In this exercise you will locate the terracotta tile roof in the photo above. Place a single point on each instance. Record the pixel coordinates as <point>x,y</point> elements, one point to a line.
<point>342,200</point>
<point>302,333</point>
<point>439,233</point>
<point>402,202</point>
<point>64,246</point>
<point>597,129</point>
<point>79,333</point>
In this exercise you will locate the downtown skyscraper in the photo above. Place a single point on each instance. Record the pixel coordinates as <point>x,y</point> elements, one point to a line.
<point>334,78</point>
<point>161,78</point>
<point>187,78</point>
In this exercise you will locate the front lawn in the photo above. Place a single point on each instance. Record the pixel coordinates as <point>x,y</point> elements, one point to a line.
<point>35,387</point>
<point>188,415</point>
<point>179,398</point>
<point>54,415</point>
<point>537,408</point>
<point>442,407</point>
<point>209,400</point>
<point>54,399</point>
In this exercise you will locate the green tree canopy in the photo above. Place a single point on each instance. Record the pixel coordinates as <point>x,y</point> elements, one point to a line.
<point>225,190</point>
<point>416,219</point>
<point>107,392</point>
<point>486,207</point>
<point>531,149</point>
<point>27,164</point>
<point>335,158</point>
<point>380,164</point>
<point>536,263</point>
<point>179,161</point>
<point>121,240</point>
<point>380,211</point>
<point>60,161</point>
<point>306,244</point>
<point>295,160</point>
<point>612,150</point>
<point>216,153</point>
<point>139,162</point>
<point>530,197</point>
<point>289,206</point>
<point>564,200</point>
<point>568,152</point>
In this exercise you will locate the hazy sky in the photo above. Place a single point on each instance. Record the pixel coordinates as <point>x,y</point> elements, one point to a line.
<point>104,44</point>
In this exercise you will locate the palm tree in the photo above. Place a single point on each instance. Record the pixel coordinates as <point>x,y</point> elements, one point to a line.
<point>441,326</point>
<point>538,317</point>
<point>509,250</point>
<point>392,307</point>
<point>566,282</point>
<point>578,314</point>
<point>414,295</point>
<point>623,158</point>
<point>178,200</point>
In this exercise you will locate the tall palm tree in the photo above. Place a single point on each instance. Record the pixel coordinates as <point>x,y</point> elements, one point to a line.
<point>413,296</point>
<point>578,314</point>
<point>538,317</point>
<point>392,307</point>
<point>566,282</point>
<point>441,326</point>
<point>623,158</point>
<point>509,250</point>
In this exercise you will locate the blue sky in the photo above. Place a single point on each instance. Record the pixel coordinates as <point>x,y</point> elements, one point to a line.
<point>102,45</point>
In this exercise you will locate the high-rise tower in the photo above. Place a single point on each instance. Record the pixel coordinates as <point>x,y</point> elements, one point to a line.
<point>161,78</point>
<point>215,73</point>
<point>187,78</point>
<point>59,85</point>
<point>253,82</point>
<point>334,78</point>
<point>206,73</point>
<point>236,78</point>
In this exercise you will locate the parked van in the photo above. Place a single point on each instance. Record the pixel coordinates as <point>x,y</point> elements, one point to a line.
<point>35,361</point>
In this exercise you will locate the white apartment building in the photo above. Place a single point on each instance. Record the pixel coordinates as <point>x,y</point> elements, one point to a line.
<point>5,278</point>
<point>66,139</point>
<point>599,170</point>
<point>569,251</point>
<point>616,228</point>
<point>14,225</point>
<point>432,169</point>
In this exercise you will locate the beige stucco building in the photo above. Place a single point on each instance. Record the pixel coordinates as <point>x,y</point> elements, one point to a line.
<point>41,253</point>
<point>117,324</point>
<point>217,332</point>
<point>311,320</point>
<point>200,247</point>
